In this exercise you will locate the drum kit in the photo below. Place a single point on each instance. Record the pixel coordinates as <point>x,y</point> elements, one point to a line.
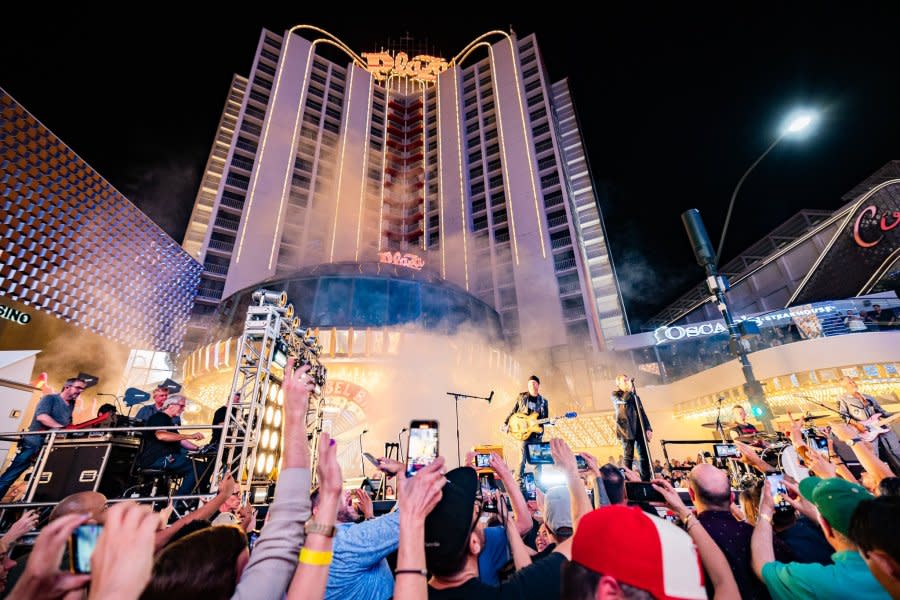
<point>775,449</point>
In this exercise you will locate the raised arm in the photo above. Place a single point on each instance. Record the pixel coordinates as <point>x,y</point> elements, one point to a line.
<point>516,499</point>
<point>711,555</point>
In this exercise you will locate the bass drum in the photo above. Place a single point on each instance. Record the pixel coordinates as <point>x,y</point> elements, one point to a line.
<point>784,458</point>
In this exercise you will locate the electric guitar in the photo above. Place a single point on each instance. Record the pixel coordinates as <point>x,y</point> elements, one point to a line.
<point>521,425</point>
<point>874,426</point>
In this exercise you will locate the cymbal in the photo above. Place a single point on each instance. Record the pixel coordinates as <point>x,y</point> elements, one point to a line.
<point>714,426</point>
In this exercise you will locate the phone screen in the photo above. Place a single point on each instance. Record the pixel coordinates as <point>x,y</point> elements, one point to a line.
<point>372,460</point>
<point>530,488</point>
<point>482,461</point>
<point>779,491</point>
<point>423,446</point>
<point>81,547</point>
<point>641,491</point>
<point>821,445</point>
<point>487,492</point>
<point>726,451</point>
<point>538,453</point>
<point>582,464</point>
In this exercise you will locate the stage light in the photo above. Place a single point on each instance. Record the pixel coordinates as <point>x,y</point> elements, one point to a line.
<point>261,462</point>
<point>277,419</point>
<point>273,441</point>
<point>269,412</point>
<point>280,396</point>
<point>264,441</point>
<point>270,463</point>
<point>260,495</point>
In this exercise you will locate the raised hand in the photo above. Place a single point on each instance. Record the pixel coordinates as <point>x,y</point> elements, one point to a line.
<point>123,559</point>
<point>365,503</point>
<point>42,577</point>
<point>329,470</point>
<point>420,494</point>
<point>592,463</point>
<point>673,500</point>
<point>297,387</point>
<point>26,523</point>
<point>562,455</point>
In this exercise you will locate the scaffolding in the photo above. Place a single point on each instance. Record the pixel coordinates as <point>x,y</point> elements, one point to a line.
<point>249,448</point>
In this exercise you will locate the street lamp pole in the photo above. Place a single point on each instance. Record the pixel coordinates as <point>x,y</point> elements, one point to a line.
<point>717,285</point>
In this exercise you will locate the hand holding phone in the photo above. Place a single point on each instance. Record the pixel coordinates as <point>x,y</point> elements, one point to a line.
<point>81,547</point>
<point>422,447</point>
<point>482,461</point>
<point>779,491</point>
<point>529,489</point>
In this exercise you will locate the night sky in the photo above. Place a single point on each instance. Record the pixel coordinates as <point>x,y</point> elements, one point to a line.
<point>674,103</point>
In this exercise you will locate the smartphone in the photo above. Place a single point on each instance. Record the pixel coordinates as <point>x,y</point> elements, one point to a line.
<point>726,451</point>
<point>529,489</point>
<point>582,464</point>
<point>641,491</point>
<point>482,461</point>
<point>81,547</point>
<point>820,444</point>
<point>251,539</point>
<point>422,447</point>
<point>538,453</point>
<point>372,460</point>
<point>779,491</point>
<point>488,486</point>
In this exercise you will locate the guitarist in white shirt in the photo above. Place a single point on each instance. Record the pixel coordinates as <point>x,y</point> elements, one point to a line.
<point>858,407</point>
<point>530,402</point>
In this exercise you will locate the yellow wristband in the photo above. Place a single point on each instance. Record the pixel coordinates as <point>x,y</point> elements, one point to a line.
<point>318,558</point>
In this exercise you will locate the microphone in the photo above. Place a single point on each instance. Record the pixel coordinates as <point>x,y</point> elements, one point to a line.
<point>491,395</point>
<point>365,431</point>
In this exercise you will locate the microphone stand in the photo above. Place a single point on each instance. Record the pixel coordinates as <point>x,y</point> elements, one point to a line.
<point>457,396</point>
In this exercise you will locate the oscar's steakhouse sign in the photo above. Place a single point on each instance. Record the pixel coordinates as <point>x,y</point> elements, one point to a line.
<point>864,227</point>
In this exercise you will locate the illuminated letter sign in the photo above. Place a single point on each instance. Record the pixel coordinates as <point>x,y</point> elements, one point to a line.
<point>419,68</point>
<point>410,261</point>
<point>883,225</point>
<point>16,316</point>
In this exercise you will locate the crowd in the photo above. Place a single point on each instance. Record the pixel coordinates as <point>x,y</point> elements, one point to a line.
<point>826,536</point>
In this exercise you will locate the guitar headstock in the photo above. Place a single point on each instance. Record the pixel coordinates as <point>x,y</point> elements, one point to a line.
<point>571,415</point>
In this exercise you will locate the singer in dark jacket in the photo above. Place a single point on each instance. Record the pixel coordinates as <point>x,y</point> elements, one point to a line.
<point>632,432</point>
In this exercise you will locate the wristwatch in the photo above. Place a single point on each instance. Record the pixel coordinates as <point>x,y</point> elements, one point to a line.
<point>319,528</point>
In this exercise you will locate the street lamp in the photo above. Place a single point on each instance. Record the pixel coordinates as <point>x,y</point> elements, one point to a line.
<point>796,123</point>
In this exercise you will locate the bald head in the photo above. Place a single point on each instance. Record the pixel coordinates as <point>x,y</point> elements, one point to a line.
<point>93,503</point>
<point>711,488</point>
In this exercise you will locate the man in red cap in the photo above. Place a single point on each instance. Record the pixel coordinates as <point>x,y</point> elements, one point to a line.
<point>621,552</point>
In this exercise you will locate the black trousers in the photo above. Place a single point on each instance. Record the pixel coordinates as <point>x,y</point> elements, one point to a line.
<point>533,438</point>
<point>628,448</point>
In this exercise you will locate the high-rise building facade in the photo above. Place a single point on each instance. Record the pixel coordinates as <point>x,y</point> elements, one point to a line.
<point>473,167</point>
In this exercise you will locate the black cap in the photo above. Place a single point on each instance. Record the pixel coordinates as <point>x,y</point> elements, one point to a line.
<point>170,385</point>
<point>535,378</point>
<point>447,527</point>
<point>89,380</point>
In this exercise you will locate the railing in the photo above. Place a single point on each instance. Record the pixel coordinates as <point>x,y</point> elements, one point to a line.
<point>218,269</point>
<point>218,245</point>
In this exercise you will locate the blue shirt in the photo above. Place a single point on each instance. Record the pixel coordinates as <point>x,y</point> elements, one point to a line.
<point>493,556</point>
<point>359,570</point>
<point>148,410</point>
<point>848,577</point>
<point>54,406</point>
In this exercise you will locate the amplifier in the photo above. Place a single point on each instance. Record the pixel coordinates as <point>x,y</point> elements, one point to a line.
<point>86,467</point>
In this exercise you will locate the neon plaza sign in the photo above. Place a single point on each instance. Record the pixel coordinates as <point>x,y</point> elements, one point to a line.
<point>675,333</point>
<point>418,68</point>
<point>872,211</point>
<point>410,261</point>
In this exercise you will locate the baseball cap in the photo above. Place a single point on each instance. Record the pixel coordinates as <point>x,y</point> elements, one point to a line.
<point>557,509</point>
<point>835,498</point>
<point>448,526</point>
<point>534,378</point>
<point>636,549</point>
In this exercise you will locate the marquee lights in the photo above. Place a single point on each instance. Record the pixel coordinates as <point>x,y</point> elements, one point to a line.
<point>421,68</point>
